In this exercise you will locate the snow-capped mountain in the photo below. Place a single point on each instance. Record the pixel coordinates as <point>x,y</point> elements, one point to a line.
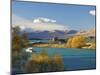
<point>50,34</point>
<point>44,28</point>
<point>41,27</point>
<point>38,24</point>
<point>47,34</point>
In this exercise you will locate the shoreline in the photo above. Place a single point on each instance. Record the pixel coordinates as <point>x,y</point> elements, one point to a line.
<point>57,46</point>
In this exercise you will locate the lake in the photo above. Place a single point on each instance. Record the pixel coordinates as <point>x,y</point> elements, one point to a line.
<point>74,59</point>
<point>32,41</point>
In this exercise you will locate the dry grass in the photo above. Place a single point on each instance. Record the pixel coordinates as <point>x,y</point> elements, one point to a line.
<point>51,45</point>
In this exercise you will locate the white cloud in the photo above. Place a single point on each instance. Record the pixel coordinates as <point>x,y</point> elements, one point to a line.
<point>39,24</point>
<point>92,12</point>
<point>48,27</point>
<point>43,20</point>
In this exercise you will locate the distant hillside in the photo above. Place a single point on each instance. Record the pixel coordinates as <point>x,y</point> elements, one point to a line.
<point>49,35</point>
<point>72,32</point>
<point>60,34</point>
<point>46,34</point>
<point>88,33</point>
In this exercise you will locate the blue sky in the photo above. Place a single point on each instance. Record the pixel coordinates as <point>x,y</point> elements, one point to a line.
<point>72,16</point>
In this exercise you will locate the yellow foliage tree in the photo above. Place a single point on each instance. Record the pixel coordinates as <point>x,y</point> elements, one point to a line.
<point>76,42</point>
<point>57,58</point>
<point>69,42</point>
<point>43,63</point>
<point>42,57</point>
<point>57,63</point>
<point>34,57</point>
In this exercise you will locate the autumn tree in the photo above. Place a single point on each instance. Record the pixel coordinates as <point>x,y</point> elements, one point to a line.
<point>43,63</point>
<point>57,63</point>
<point>19,42</point>
<point>76,42</point>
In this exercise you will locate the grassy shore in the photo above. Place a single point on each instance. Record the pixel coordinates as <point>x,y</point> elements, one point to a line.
<point>51,45</point>
<point>60,46</point>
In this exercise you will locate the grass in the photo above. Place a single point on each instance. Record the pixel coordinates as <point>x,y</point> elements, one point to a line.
<point>51,45</point>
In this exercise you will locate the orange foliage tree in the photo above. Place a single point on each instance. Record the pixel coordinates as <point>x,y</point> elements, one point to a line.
<point>76,42</point>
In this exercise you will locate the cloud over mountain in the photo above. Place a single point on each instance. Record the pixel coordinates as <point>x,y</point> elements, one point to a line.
<point>38,24</point>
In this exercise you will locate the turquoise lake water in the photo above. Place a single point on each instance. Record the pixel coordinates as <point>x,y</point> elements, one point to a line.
<point>74,59</point>
<point>31,41</point>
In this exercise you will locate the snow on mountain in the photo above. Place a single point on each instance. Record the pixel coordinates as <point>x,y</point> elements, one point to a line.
<point>38,24</point>
<point>46,28</point>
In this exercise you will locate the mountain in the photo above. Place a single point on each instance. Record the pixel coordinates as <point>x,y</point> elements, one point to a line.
<point>59,33</point>
<point>46,34</point>
<point>51,34</point>
<point>88,33</point>
<point>43,28</point>
<point>72,32</point>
